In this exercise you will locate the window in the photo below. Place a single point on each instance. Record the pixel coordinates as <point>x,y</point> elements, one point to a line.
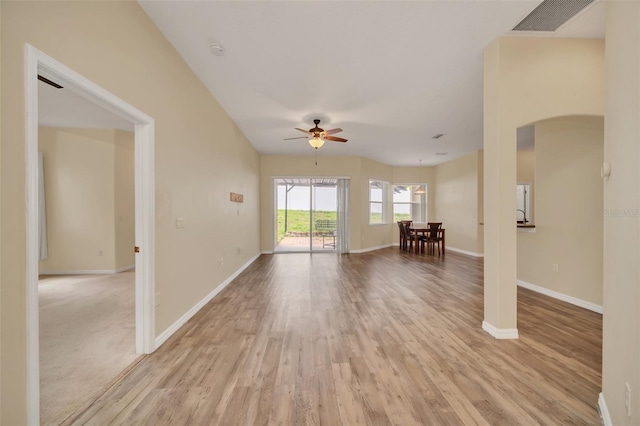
<point>377,201</point>
<point>410,202</point>
<point>523,204</point>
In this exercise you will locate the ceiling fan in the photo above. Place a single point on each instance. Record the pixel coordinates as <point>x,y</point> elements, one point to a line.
<point>317,136</point>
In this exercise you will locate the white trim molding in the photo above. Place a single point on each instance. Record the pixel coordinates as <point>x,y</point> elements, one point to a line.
<point>39,63</point>
<point>604,410</point>
<point>125,268</point>
<point>500,333</point>
<point>365,250</point>
<point>468,253</point>
<point>527,230</point>
<point>164,336</point>
<point>561,296</point>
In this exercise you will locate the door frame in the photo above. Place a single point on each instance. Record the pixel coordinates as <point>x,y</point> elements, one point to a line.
<point>274,211</point>
<point>37,62</point>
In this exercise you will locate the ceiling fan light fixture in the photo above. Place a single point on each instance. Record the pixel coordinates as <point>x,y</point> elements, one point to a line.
<point>316,142</point>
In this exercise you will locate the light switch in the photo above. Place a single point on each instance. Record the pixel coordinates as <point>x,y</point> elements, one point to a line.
<point>179,222</point>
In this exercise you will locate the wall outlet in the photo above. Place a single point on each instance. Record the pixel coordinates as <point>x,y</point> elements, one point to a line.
<point>100,252</point>
<point>627,398</point>
<point>239,250</point>
<point>555,267</point>
<point>179,222</point>
<point>157,298</point>
<point>221,262</point>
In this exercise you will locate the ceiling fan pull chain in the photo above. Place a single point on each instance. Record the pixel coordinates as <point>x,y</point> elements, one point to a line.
<point>316,156</point>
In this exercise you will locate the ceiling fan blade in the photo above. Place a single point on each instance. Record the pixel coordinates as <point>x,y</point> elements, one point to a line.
<point>301,137</point>
<point>335,139</point>
<point>300,130</point>
<point>332,131</point>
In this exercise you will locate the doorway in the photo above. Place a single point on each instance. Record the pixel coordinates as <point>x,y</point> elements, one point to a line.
<point>86,271</point>
<point>310,215</point>
<point>39,64</point>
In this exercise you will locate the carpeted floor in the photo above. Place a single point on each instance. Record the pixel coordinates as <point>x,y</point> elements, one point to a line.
<point>87,337</point>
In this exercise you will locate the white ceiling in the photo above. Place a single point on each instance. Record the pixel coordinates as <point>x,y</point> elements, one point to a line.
<point>391,74</point>
<point>64,108</point>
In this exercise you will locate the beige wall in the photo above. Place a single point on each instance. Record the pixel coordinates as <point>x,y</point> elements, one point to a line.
<point>526,80</point>
<point>456,202</point>
<point>89,192</point>
<point>362,235</point>
<point>480,247</point>
<point>621,330</point>
<point>201,156</point>
<point>569,200</point>
<point>359,170</point>
<point>124,199</point>
<point>526,173</point>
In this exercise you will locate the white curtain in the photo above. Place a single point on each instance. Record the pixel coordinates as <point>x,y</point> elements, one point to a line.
<point>342,240</point>
<point>42,213</point>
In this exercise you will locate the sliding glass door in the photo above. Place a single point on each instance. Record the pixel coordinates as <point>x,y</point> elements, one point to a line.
<point>307,214</point>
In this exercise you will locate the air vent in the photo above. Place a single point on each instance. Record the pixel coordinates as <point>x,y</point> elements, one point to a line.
<point>551,14</point>
<point>49,82</point>
<point>441,153</point>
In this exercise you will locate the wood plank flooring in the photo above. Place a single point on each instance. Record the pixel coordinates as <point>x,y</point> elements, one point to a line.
<point>381,338</point>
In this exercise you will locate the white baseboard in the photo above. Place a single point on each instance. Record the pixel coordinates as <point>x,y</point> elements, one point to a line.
<point>604,411</point>
<point>364,250</point>
<point>125,268</point>
<point>162,337</point>
<point>88,271</point>
<point>267,252</point>
<point>468,253</point>
<point>561,296</point>
<point>500,333</point>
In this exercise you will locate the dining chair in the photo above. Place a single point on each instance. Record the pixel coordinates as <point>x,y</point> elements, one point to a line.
<point>434,236</point>
<point>408,233</point>
<point>403,236</point>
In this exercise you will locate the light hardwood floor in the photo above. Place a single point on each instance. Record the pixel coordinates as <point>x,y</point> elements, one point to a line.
<point>385,337</point>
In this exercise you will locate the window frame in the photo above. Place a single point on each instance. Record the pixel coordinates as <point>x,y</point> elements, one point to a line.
<point>526,203</point>
<point>422,206</point>
<point>383,203</point>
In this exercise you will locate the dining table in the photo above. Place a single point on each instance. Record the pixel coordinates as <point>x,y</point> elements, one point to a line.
<point>423,228</point>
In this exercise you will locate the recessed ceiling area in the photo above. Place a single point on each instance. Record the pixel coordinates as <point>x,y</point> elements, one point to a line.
<point>526,138</point>
<point>64,108</point>
<point>391,74</point>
